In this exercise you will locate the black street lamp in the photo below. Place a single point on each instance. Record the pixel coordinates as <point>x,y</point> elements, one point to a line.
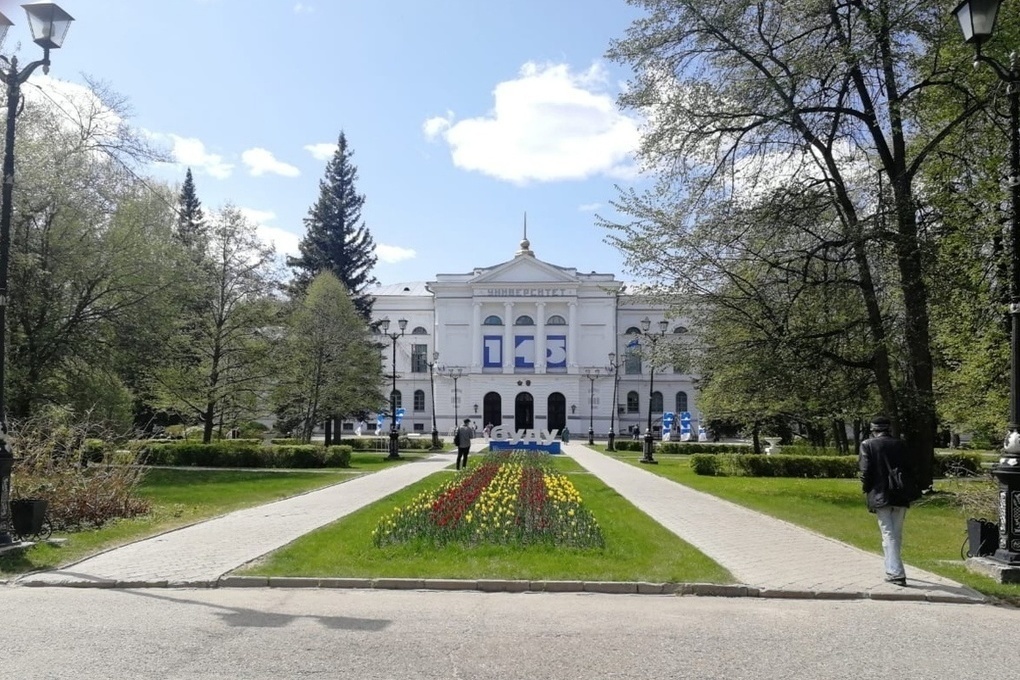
<point>49,25</point>
<point>394,435</point>
<point>977,20</point>
<point>456,374</point>
<point>646,324</point>
<point>592,374</point>
<point>614,368</point>
<point>432,396</point>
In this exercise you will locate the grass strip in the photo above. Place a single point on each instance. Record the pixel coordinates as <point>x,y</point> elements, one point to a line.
<point>637,548</point>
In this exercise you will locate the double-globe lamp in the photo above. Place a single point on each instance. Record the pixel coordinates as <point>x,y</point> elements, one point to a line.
<point>394,453</point>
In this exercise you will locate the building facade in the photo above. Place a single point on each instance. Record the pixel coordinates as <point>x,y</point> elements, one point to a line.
<point>531,345</point>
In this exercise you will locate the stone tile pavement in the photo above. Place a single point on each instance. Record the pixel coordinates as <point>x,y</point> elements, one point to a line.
<point>769,557</point>
<point>761,551</point>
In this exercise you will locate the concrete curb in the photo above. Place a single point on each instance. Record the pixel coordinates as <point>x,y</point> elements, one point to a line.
<point>522,586</point>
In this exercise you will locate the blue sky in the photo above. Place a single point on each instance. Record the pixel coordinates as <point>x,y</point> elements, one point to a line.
<point>462,114</point>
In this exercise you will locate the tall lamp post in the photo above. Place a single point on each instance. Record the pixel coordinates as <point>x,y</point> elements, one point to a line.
<point>432,396</point>
<point>977,20</point>
<point>456,374</point>
<point>49,25</point>
<point>592,374</point>
<point>394,435</point>
<point>646,324</point>
<point>614,368</point>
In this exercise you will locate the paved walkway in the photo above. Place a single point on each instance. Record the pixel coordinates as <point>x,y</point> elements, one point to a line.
<point>768,556</point>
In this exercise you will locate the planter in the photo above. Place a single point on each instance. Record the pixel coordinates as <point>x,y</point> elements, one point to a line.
<point>28,516</point>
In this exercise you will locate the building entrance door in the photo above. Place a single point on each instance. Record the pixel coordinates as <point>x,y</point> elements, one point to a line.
<point>556,409</point>
<point>524,411</point>
<point>492,409</point>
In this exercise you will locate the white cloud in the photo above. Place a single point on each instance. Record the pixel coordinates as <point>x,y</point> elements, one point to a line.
<point>548,124</point>
<point>261,162</point>
<point>393,254</point>
<point>302,8</point>
<point>285,242</point>
<point>589,207</point>
<point>322,151</point>
<point>191,152</point>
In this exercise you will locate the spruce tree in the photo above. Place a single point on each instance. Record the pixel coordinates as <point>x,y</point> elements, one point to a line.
<point>337,240</point>
<point>191,227</point>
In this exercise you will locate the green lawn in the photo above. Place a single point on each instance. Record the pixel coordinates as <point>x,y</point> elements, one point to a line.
<point>934,532</point>
<point>179,497</point>
<point>637,548</point>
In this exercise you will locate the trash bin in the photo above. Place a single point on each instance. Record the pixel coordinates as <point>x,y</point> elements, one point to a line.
<point>982,537</point>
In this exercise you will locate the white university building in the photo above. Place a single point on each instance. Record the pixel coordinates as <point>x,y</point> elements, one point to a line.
<point>526,344</point>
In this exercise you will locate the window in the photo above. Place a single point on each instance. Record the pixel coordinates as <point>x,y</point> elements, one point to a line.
<point>633,404</point>
<point>680,330</point>
<point>524,321</point>
<point>656,402</point>
<point>633,330</point>
<point>396,399</point>
<point>419,330</point>
<point>681,402</point>
<point>419,427</point>
<point>492,321</point>
<point>419,400</point>
<point>419,358</point>
<point>556,320</point>
<point>632,363</point>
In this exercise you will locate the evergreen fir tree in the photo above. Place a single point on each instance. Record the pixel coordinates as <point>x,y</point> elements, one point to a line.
<point>191,227</point>
<point>337,240</point>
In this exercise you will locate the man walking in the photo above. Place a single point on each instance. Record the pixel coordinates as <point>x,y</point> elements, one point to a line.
<point>462,440</point>
<point>889,480</point>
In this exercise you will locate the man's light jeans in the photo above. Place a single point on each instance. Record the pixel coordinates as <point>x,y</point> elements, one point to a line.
<point>890,522</point>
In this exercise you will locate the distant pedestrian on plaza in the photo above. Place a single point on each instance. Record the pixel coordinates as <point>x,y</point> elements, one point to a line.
<point>890,482</point>
<point>463,442</point>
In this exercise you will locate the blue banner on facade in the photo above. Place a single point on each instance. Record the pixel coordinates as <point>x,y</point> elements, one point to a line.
<point>492,351</point>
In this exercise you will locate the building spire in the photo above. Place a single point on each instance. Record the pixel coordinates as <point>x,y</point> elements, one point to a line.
<point>525,243</point>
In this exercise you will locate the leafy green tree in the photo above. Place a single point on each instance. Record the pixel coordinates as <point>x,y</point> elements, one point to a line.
<point>823,96</point>
<point>191,227</point>
<point>330,369</point>
<point>337,239</point>
<point>233,338</point>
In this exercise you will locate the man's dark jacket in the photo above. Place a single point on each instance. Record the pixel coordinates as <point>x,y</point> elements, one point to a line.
<point>883,459</point>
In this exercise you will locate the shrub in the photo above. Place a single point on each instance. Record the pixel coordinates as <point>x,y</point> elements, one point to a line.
<point>840,467</point>
<point>957,464</point>
<point>235,453</point>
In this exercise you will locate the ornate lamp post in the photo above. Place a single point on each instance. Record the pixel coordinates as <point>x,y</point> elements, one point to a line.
<point>592,374</point>
<point>614,368</point>
<point>977,20</point>
<point>649,448</point>
<point>49,25</point>
<point>455,373</point>
<point>394,435</point>
<point>432,395</point>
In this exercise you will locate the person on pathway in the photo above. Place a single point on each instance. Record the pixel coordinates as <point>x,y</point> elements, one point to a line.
<point>890,482</point>
<point>463,442</point>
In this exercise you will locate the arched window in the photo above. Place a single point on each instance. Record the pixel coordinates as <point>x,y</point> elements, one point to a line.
<point>396,399</point>
<point>419,400</point>
<point>633,330</point>
<point>632,363</point>
<point>679,330</point>
<point>656,402</point>
<point>492,321</point>
<point>524,320</point>
<point>419,330</point>
<point>681,402</point>
<point>556,320</point>
<point>633,403</point>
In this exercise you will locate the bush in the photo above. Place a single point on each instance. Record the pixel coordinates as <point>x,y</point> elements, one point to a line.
<point>957,464</point>
<point>838,467</point>
<point>236,453</point>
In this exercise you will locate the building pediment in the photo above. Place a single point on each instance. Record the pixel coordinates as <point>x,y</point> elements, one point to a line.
<point>524,270</point>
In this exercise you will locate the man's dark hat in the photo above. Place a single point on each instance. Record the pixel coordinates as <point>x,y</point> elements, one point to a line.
<point>880,424</point>
<point>467,421</point>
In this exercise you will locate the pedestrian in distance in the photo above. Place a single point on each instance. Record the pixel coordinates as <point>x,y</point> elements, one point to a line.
<point>462,440</point>
<point>889,480</point>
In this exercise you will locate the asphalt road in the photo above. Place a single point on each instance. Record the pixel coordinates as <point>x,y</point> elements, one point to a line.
<point>280,634</point>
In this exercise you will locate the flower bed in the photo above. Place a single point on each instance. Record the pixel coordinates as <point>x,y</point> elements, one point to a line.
<point>513,497</point>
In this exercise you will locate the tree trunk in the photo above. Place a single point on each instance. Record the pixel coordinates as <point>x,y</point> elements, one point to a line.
<point>207,422</point>
<point>327,432</point>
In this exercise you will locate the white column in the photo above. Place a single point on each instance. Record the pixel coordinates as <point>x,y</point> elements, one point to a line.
<point>476,339</point>
<point>508,337</point>
<point>572,337</point>
<point>540,351</point>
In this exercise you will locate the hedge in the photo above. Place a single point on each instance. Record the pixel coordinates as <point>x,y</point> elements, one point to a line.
<point>833,467</point>
<point>231,454</point>
<point>373,443</point>
<point>681,448</point>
